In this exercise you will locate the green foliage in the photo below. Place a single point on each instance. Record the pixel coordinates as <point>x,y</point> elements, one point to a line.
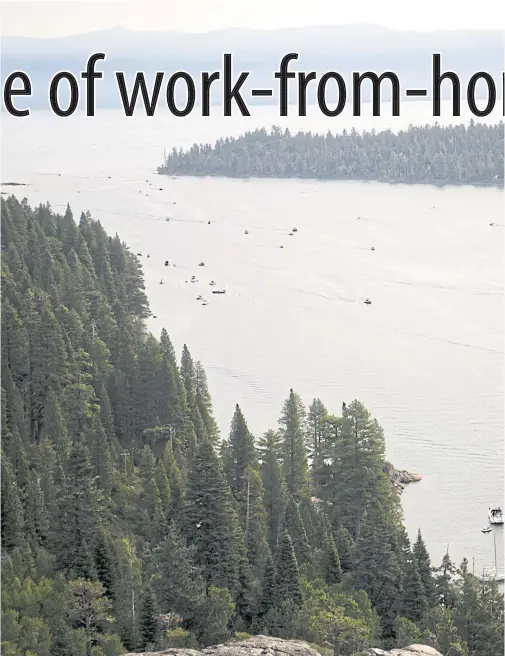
<point>122,527</point>
<point>432,154</point>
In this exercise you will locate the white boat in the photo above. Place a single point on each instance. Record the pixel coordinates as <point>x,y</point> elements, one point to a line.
<point>487,529</point>
<point>493,574</point>
<point>495,515</point>
<point>219,291</point>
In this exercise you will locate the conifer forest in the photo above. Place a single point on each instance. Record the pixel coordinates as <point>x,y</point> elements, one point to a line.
<point>130,523</point>
<point>431,154</point>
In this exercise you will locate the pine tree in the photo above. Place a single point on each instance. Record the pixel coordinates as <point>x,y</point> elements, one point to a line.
<point>253,515</point>
<point>177,580</point>
<point>330,562</point>
<point>267,588</point>
<point>175,481</point>
<point>37,518</point>
<point>346,548</point>
<point>377,569</point>
<point>287,580</point>
<point>294,526</point>
<point>104,563</point>
<point>275,492</point>
<point>414,604</point>
<point>188,375</point>
<point>80,517</point>
<point>211,524</point>
<point>424,568</point>
<point>12,508</point>
<point>242,453</point>
<point>294,452</point>
<point>444,579</point>
<point>147,620</point>
<point>316,429</point>
<point>204,403</point>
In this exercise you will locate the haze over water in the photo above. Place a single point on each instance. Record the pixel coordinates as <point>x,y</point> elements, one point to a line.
<point>426,357</point>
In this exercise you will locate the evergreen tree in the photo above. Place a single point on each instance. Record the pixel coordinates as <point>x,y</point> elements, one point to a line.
<point>345,547</point>
<point>330,562</point>
<point>287,580</point>
<point>268,588</point>
<point>294,452</point>
<point>242,453</point>
<point>177,580</point>
<point>253,514</point>
<point>377,571</point>
<point>414,599</point>
<point>211,524</point>
<point>80,518</point>
<point>424,568</point>
<point>275,492</point>
<point>12,508</point>
<point>147,621</point>
<point>294,526</point>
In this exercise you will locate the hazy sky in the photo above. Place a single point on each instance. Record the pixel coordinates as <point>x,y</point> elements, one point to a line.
<point>50,19</point>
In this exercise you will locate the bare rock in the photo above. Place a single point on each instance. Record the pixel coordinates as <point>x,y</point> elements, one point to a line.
<point>412,650</point>
<point>255,646</point>
<point>265,646</point>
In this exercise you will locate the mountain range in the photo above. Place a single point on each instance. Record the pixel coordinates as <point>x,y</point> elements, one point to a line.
<point>343,48</point>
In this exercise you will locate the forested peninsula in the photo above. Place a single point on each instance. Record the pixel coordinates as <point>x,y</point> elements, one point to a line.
<point>454,155</point>
<point>129,523</point>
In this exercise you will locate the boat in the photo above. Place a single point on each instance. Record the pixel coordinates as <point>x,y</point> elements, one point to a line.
<point>194,279</point>
<point>246,232</point>
<point>202,264</point>
<point>367,301</point>
<point>294,230</point>
<point>205,303</point>
<point>212,283</point>
<point>487,529</point>
<point>495,515</point>
<point>167,262</point>
<point>200,298</point>
<point>492,575</point>
<point>161,281</point>
<point>219,291</point>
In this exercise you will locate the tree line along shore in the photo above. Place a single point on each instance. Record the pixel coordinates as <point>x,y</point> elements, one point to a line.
<point>430,154</point>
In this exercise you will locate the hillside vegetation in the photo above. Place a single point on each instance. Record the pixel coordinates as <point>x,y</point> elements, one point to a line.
<point>129,523</point>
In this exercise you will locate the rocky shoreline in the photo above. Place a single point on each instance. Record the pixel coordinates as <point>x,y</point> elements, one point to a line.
<point>400,477</point>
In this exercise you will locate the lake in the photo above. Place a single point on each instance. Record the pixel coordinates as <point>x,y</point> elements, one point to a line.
<point>426,357</point>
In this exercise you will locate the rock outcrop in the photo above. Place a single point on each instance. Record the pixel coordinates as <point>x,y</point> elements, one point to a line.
<point>266,646</point>
<point>412,650</point>
<point>400,477</point>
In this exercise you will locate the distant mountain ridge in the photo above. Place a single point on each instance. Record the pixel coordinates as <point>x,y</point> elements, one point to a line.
<point>343,48</point>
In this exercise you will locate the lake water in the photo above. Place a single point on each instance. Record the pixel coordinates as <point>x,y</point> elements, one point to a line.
<point>426,357</point>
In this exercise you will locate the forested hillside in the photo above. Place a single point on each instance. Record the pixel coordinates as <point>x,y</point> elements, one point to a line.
<point>429,154</point>
<point>129,522</point>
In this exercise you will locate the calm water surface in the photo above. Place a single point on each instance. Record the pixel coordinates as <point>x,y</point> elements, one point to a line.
<point>426,357</point>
